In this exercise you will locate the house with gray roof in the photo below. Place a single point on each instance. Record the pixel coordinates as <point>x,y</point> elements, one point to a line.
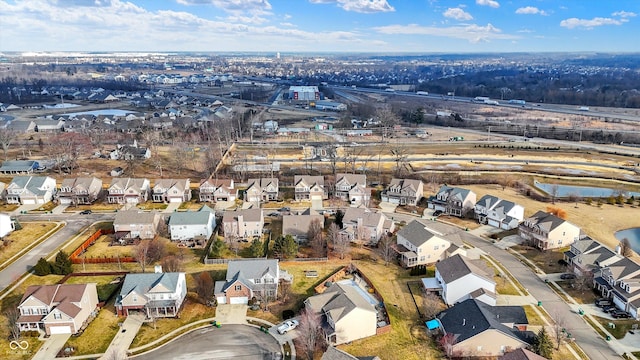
<point>620,282</point>
<point>479,329</point>
<point>79,191</point>
<point>15,167</point>
<point>308,188</point>
<point>352,188</point>
<point>128,191</point>
<point>403,192</point>
<point>586,256</point>
<point>547,231</point>
<point>249,278</point>
<point>521,354</point>
<point>214,190</point>
<point>363,225</point>
<point>188,225</point>
<point>298,225</point>
<point>333,353</point>
<point>132,224</point>
<point>260,190</point>
<point>452,201</point>
<point>499,213</point>
<point>461,278</point>
<point>243,224</point>
<point>171,190</point>
<point>31,190</point>
<point>155,294</point>
<point>417,244</point>
<point>346,314</point>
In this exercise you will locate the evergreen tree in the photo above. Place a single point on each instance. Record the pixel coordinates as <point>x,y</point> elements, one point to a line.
<point>277,247</point>
<point>256,249</point>
<point>218,249</point>
<point>542,344</point>
<point>62,264</point>
<point>339,217</point>
<point>42,268</point>
<point>289,247</point>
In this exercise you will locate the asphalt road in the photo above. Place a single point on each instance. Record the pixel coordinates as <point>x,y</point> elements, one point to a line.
<point>74,223</point>
<point>239,342</point>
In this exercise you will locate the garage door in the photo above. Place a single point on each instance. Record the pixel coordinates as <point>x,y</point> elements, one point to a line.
<point>60,330</point>
<point>175,200</point>
<point>239,300</point>
<point>222,300</point>
<point>28,202</point>
<point>494,223</point>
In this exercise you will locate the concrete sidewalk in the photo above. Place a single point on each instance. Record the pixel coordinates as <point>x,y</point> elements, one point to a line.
<point>124,337</point>
<point>51,347</point>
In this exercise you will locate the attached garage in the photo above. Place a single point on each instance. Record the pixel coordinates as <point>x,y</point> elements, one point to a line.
<point>28,201</point>
<point>54,330</point>
<point>221,300</point>
<point>494,223</point>
<point>239,300</point>
<point>175,200</point>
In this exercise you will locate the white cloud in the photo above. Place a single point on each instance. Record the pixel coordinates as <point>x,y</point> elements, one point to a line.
<point>624,14</point>
<point>458,14</point>
<point>491,3</point>
<point>472,33</point>
<point>247,11</point>
<point>573,23</point>
<point>530,10</point>
<point>360,6</point>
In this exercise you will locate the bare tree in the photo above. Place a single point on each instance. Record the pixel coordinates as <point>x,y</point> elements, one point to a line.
<point>558,327</point>
<point>447,341</point>
<point>431,304</point>
<point>385,248</point>
<point>625,248</point>
<point>309,332</point>
<point>142,254</point>
<point>583,281</point>
<point>553,191</point>
<point>66,149</point>
<point>341,244</point>
<point>388,119</point>
<point>12,315</point>
<point>284,290</point>
<point>204,286</point>
<point>363,234</point>
<point>316,239</point>
<point>400,154</point>
<point>6,138</point>
<point>574,197</point>
<point>172,263</point>
<point>505,181</point>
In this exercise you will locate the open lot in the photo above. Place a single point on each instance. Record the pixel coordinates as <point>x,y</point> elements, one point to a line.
<point>24,238</point>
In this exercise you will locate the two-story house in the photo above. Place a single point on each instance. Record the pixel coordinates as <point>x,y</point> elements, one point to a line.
<point>243,224</point>
<point>128,191</point>
<point>57,309</point>
<point>365,226</point>
<point>298,225</point>
<point>7,225</point>
<point>352,188</point>
<point>187,225</point>
<point>499,213</point>
<point>403,192</point>
<point>131,224</point>
<point>462,279</point>
<point>31,190</point>
<point>309,188</point>
<point>417,244</point>
<point>247,279</point>
<point>620,281</point>
<point>260,190</point>
<point>452,201</point>
<point>547,231</point>
<point>156,294</point>
<point>214,190</point>
<point>586,256</point>
<point>79,191</point>
<point>171,190</point>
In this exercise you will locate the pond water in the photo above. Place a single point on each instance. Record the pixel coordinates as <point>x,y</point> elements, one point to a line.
<point>633,235</point>
<point>582,191</point>
<point>112,112</point>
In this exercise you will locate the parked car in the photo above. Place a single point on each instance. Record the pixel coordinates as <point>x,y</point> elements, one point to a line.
<point>619,314</point>
<point>437,213</point>
<point>603,302</point>
<point>287,326</point>
<point>85,212</point>
<point>568,276</point>
<point>608,308</point>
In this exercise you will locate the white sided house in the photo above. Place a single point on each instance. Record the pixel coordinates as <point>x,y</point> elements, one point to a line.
<point>498,213</point>
<point>419,245</point>
<point>31,190</point>
<point>7,225</point>
<point>187,225</point>
<point>546,231</point>
<point>247,279</point>
<point>154,294</point>
<point>461,279</point>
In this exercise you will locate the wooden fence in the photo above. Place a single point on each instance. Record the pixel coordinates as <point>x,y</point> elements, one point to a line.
<point>75,255</point>
<point>209,261</point>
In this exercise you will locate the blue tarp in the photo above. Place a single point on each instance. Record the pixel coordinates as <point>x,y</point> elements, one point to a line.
<point>433,324</point>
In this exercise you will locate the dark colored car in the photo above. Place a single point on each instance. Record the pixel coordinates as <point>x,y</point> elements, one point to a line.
<point>619,314</point>
<point>568,276</point>
<point>85,212</point>
<point>603,302</point>
<point>608,308</point>
<point>437,213</point>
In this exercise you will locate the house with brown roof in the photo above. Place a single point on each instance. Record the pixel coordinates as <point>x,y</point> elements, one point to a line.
<point>131,224</point>
<point>263,189</point>
<point>57,309</point>
<point>128,191</point>
<point>171,190</point>
<point>309,188</point>
<point>243,224</point>
<point>403,192</point>
<point>298,225</point>
<point>79,191</point>
<point>214,190</point>
<point>547,231</point>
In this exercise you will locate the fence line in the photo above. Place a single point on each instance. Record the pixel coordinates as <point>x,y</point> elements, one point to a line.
<point>209,261</point>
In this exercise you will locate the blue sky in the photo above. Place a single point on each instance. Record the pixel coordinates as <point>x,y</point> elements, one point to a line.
<point>420,26</point>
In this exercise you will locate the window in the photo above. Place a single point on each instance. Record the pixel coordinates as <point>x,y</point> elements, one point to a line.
<point>257,281</point>
<point>436,247</point>
<point>238,287</point>
<point>57,316</point>
<point>480,348</point>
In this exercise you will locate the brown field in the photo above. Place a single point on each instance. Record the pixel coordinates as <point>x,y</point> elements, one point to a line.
<point>28,236</point>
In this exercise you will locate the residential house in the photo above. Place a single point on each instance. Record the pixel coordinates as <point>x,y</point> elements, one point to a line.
<point>403,192</point>
<point>547,231</point>
<point>298,225</point>
<point>308,188</point>
<point>57,309</point>
<point>79,191</point>
<point>155,294</point>
<point>620,281</point>
<point>131,224</point>
<point>128,191</point>
<point>346,314</point>
<point>462,279</point>
<point>417,244</point>
<point>243,224</point>
<point>187,225</point>
<point>14,167</point>
<point>498,213</point>
<point>7,225</point>
<point>479,329</point>
<point>353,188</point>
<point>116,171</point>
<point>214,190</point>
<point>586,256</point>
<point>521,354</point>
<point>171,190</point>
<point>247,279</point>
<point>263,189</point>
<point>452,201</point>
<point>363,225</point>
<point>31,190</point>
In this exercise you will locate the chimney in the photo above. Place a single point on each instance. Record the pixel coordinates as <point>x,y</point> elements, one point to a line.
<point>157,269</point>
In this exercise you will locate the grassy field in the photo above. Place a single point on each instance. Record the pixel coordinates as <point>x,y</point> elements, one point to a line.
<point>103,248</point>
<point>24,238</point>
<point>95,339</point>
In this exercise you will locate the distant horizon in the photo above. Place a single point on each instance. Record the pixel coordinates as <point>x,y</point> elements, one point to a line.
<point>320,26</point>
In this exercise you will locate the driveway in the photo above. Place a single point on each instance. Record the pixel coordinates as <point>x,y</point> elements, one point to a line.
<point>123,339</point>
<point>228,342</point>
<point>231,314</point>
<point>171,207</point>
<point>51,347</point>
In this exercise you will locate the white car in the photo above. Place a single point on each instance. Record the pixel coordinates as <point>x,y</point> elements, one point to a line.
<point>287,326</point>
